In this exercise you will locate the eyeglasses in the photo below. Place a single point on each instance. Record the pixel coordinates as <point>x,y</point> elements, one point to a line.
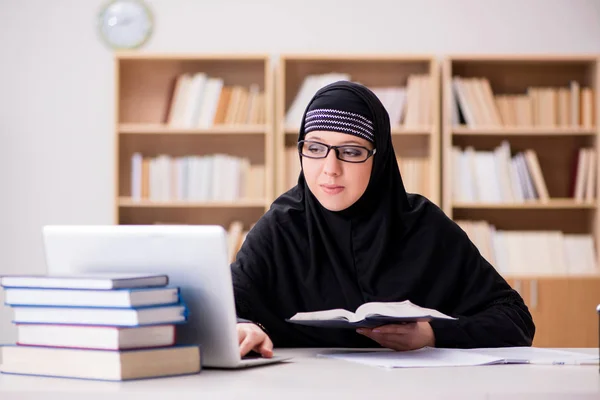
<point>347,153</point>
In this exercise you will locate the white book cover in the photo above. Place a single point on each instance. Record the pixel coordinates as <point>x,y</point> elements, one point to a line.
<point>136,176</point>
<point>209,103</point>
<point>180,100</point>
<point>95,280</point>
<point>194,100</point>
<point>487,177</point>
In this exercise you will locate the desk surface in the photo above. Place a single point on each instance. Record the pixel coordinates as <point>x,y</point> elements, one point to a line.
<point>307,376</point>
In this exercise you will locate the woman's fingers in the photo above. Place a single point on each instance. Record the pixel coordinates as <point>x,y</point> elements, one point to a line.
<point>265,348</point>
<point>399,329</point>
<point>397,337</point>
<point>247,342</point>
<point>392,341</point>
<point>251,337</point>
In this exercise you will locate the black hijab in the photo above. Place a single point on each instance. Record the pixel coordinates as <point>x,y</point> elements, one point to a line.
<point>388,246</point>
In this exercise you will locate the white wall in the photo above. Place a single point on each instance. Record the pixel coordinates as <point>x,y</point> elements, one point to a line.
<point>56,80</point>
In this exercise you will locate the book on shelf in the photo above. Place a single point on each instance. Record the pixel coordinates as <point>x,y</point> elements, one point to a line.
<point>98,333</point>
<point>310,85</point>
<point>415,173</point>
<point>371,314</point>
<point>292,167</point>
<point>92,280</point>
<point>202,101</point>
<point>475,105</point>
<point>409,106</point>
<point>213,177</point>
<point>584,186</point>
<point>498,176</point>
<point>533,252</point>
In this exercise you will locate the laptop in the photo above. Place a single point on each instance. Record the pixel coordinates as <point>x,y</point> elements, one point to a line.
<point>194,257</point>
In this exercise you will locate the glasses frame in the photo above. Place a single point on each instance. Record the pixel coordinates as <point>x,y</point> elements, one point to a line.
<point>370,152</point>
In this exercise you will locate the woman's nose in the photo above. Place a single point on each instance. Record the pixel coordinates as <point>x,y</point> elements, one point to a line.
<point>332,165</point>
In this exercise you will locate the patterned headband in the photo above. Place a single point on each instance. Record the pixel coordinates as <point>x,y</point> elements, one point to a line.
<point>326,119</point>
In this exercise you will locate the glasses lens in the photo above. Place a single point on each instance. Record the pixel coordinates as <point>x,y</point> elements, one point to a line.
<point>315,150</point>
<point>353,153</point>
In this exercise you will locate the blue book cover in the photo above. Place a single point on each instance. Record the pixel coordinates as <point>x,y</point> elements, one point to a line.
<point>118,298</point>
<point>138,316</point>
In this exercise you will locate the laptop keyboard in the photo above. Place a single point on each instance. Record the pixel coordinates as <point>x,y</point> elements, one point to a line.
<point>251,356</point>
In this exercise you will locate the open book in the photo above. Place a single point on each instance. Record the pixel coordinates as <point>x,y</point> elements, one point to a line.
<point>368,315</point>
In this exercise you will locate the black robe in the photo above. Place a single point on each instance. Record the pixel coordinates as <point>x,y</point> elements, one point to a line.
<point>388,246</point>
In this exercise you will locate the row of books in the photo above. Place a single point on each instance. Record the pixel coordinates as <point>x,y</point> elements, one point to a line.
<point>498,176</point>
<point>408,106</point>
<point>539,106</point>
<point>201,101</point>
<point>537,253</point>
<point>415,172</point>
<point>214,177</point>
<point>106,327</point>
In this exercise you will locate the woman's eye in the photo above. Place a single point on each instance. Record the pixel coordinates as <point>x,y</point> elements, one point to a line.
<point>315,149</point>
<point>352,152</point>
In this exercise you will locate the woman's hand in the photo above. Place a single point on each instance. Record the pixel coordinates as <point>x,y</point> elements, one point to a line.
<point>409,336</point>
<point>251,337</point>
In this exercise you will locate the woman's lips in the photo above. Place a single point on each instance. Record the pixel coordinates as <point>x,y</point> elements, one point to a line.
<point>332,189</point>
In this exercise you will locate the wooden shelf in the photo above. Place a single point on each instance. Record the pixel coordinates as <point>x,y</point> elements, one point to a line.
<point>522,131</point>
<point>422,131</point>
<point>161,129</point>
<point>418,145</point>
<point>190,57</point>
<point>531,205</point>
<point>552,276</point>
<point>242,203</point>
<point>543,60</point>
<point>144,85</point>
<point>156,136</point>
<point>526,78</point>
<point>500,160</point>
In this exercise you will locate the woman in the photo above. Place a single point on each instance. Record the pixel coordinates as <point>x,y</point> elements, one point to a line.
<point>348,233</point>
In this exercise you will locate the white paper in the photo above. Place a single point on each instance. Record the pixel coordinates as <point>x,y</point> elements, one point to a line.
<point>440,357</point>
<point>425,357</point>
<point>536,355</point>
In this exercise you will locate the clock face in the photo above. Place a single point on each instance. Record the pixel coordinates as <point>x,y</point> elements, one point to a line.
<point>125,24</point>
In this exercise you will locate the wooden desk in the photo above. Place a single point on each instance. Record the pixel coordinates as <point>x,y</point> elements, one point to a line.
<point>309,377</point>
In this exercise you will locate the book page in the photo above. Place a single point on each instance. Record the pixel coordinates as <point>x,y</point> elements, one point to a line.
<point>535,355</point>
<point>396,309</point>
<point>425,357</point>
<point>337,313</point>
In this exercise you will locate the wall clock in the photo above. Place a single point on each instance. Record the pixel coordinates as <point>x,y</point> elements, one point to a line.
<point>125,24</point>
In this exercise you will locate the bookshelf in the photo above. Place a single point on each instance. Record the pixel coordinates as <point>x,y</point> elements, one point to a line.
<point>186,127</point>
<point>412,99</point>
<point>520,138</point>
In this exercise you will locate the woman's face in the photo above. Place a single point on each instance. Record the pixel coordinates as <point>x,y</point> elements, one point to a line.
<point>335,183</point>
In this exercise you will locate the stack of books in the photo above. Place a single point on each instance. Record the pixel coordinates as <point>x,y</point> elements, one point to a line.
<point>96,326</point>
